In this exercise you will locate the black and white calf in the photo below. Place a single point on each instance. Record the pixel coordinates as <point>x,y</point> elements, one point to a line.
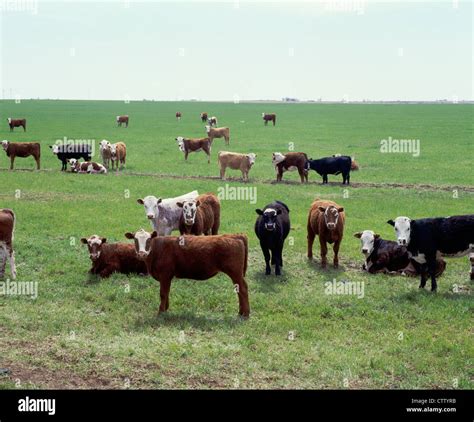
<point>429,238</point>
<point>332,165</point>
<point>272,228</point>
<point>65,152</point>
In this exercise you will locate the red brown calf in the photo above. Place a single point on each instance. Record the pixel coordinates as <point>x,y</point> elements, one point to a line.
<point>16,123</point>
<point>108,258</point>
<point>196,258</point>
<point>325,219</point>
<point>178,115</point>
<point>289,162</point>
<point>22,150</point>
<point>122,119</point>
<point>188,145</point>
<point>201,215</point>
<point>7,229</point>
<point>270,117</point>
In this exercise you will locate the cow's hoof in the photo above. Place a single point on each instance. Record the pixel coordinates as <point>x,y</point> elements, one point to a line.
<point>268,272</point>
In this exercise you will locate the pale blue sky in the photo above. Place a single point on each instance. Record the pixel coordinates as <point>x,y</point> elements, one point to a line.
<point>260,50</point>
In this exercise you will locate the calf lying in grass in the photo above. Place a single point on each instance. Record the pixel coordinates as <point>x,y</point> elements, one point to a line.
<point>108,258</point>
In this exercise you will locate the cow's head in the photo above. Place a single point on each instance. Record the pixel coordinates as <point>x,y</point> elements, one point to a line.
<point>118,118</point>
<point>142,242</point>
<point>189,210</point>
<point>9,120</point>
<point>113,149</point>
<point>331,216</point>
<point>367,240</point>
<point>277,157</point>
<point>208,128</point>
<point>104,144</point>
<point>5,145</point>
<point>55,148</point>
<point>180,141</point>
<point>151,206</point>
<point>269,216</point>
<point>402,229</point>
<point>94,244</point>
<point>251,157</point>
<point>263,114</point>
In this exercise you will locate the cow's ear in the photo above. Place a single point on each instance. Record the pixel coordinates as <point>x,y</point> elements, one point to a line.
<point>84,240</point>
<point>140,201</point>
<point>322,209</point>
<point>158,201</point>
<point>391,222</point>
<point>198,202</point>
<point>179,204</point>
<point>129,235</point>
<point>259,211</point>
<point>278,212</point>
<point>376,236</point>
<point>340,209</point>
<point>104,240</point>
<point>358,235</point>
<point>154,234</point>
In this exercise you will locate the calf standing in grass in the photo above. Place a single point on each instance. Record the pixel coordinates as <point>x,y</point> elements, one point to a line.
<point>108,258</point>
<point>13,123</point>
<point>204,117</point>
<point>212,121</point>
<point>333,165</point>
<point>272,228</point>
<point>270,117</point>
<point>122,120</point>
<point>325,219</point>
<point>201,215</point>
<point>178,116</point>
<point>218,132</point>
<point>7,231</point>
<point>22,149</point>
<point>105,153</point>
<point>236,161</point>
<point>289,162</point>
<point>195,258</point>
<point>118,154</point>
<point>188,145</point>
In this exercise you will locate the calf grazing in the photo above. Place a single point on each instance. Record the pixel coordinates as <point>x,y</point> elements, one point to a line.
<point>65,152</point>
<point>289,162</point>
<point>272,228</point>
<point>164,214</point>
<point>429,238</point>
<point>188,145</point>
<point>212,121</point>
<point>178,115</point>
<point>122,120</point>
<point>325,219</point>
<point>118,154</point>
<point>22,150</point>
<point>271,117</point>
<point>332,165</point>
<point>201,215</point>
<point>89,167</point>
<point>204,117</point>
<point>195,258</point>
<point>236,161</point>
<point>388,256</point>
<point>13,123</point>
<point>7,232</point>
<point>108,258</point>
<point>105,152</point>
<point>218,132</point>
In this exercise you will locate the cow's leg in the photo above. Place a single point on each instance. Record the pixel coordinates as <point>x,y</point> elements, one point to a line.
<point>276,253</point>
<point>24,128</point>
<point>12,160</point>
<point>222,172</point>
<point>164,294</point>
<point>37,159</point>
<point>186,153</point>
<point>324,252</point>
<point>266,255</point>
<point>311,236</point>
<point>241,288</point>
<point>336,252</point>
<point>431,261</point>
<point>3,260</point>
<point>11,254</point>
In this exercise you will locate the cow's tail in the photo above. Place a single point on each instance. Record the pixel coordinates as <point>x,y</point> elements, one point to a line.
<point>245,241</point>
<point>354,164</point>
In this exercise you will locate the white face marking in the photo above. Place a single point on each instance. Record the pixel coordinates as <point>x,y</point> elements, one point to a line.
<point>104,144</point>
<point>263,114</point>
<point>94,242</point>
<point>208,128</point>
<point>118,118</point>
<point>251,158</point>
<point>73,162</point>
<point>151,207</point>
<point>141,237</point>
<point>9,120</point>
<point>189,212</point>
<point>277,157</point>
<point>402,229</point>
<point>331,216</point>
<point>367,242</point>
<point>55,149</point>
<point>5,145</point>
<point>180,141</point>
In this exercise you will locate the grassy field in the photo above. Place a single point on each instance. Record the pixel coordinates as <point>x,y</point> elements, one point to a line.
<point>107,334</point>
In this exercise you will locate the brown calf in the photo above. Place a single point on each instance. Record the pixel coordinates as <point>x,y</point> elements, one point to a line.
<point>289,162</point>
<point>271,117</point>
<point>236,161</point>
<point>196,258</point>
<point>178,115</point>
<point>16,123</point>
<point>108,258</point>
<point>325,219</point>
<point>7,231</point>
<point>218,132</point>
<point>188,145</point>
<point>122,119</point>
<point>204,117</point>
<point>22,149</point>
<point>201,215</point>
<point>118,154</point>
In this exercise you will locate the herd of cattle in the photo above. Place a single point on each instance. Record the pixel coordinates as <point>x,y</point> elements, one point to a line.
<point>200,252</point>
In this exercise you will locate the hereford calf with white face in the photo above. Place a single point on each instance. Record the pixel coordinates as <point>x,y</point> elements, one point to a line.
<point>89,167</point>
<point>200,215</point>
<point>108,258</point>
<point>7,231</point>
<point>326,219</point>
